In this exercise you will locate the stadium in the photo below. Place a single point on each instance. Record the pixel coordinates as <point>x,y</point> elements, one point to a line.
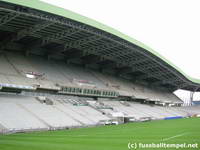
<point>99,87</point>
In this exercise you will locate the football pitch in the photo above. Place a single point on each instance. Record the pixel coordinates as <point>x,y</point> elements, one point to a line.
<point>118,137</point>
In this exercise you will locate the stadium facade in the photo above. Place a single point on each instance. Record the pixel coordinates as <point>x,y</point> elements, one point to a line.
<point>59,69</point>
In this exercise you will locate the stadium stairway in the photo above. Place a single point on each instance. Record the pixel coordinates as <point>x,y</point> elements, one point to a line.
<point>52,116</point>
<point>34,115</point>
<point>93,107</point>
<point>3,129</point>
<point>67,108</point>
<point>69,115</point>
<point>18,119</point>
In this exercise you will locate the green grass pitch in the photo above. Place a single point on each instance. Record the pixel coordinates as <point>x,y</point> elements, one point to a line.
<point>108,137</point>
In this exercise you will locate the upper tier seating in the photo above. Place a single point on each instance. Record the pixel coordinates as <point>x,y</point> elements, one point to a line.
<point>51,73</point>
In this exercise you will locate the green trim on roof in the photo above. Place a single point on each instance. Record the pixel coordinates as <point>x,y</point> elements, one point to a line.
<point>39,5</point>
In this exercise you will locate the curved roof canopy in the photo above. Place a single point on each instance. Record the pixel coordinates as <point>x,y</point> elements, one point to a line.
<point>36,27</point>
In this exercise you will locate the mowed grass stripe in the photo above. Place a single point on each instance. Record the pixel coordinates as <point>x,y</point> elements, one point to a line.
<point>105,137</point>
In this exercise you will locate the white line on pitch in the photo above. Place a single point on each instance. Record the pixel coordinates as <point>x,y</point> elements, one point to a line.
<point>172,137</point>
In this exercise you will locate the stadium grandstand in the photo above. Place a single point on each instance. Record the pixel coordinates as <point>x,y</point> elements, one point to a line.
<point>61,70</point>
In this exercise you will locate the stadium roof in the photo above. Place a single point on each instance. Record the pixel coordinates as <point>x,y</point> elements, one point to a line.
<point>33,26</point>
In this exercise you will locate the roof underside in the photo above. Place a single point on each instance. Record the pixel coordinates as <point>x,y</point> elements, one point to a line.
<point>73,38</point>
